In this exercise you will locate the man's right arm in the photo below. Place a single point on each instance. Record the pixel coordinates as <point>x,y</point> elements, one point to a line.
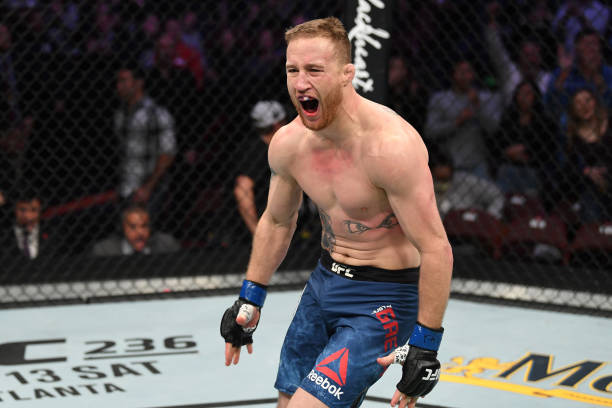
<point>245,198</point>
<point>270,244</point>
<point>278,222</point>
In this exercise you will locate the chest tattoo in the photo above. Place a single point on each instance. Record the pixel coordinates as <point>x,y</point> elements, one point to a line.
<point>354,227</point>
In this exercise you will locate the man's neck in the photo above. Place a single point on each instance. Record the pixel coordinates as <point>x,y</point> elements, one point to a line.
<point>135,100</point>
<point>343,127</point>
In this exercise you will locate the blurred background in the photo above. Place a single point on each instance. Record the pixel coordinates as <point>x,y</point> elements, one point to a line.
<point>133,138</point>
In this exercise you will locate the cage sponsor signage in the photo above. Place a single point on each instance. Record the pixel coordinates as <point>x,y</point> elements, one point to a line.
<point>368,23</point>
<point>49,371</point>
<point>536,375</point>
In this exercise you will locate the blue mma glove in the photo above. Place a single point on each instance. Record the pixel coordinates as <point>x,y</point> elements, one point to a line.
<point>420,365</point>
<point>252,295</point>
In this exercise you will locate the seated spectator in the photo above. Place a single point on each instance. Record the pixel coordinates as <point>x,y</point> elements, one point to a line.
<point>457,190</point>
<point>459,119</point>
<point>28,239</point>
<point>589,149</point>
<point>586,71</point>
<point>524,145</point>
<point>510,73</point>
<point>183,55</point>
<point>251,185</point>
<point>137,237</point>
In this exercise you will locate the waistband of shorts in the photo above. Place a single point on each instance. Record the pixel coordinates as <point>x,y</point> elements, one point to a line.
<point>369,273</point>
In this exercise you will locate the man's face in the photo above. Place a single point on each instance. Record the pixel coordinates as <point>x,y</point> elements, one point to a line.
<point>5,38</point>
<point>588,50</point>
<point>397,71</point>
<point>525,97</point>
<point>126,85</point>
<point>531,57</point>
<point>314,80</point>
<point>166,49</point>
<point>27,213</point>
<point>137,230</point>
<point>463,76</point>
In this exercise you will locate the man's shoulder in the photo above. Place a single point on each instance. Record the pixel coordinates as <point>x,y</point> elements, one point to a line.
<point>108,246</point>
<point>286,140</point>
<point>161,242</point>
<point>388,129</point>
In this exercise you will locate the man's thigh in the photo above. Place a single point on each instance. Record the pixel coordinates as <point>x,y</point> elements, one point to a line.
<point>304,341</point>
<point>302,399</point>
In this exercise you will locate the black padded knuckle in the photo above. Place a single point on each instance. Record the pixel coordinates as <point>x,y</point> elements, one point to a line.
<point>417,371</point>
<point>231,331</point>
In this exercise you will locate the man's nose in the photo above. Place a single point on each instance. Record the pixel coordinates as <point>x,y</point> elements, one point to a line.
<point>302,83</point>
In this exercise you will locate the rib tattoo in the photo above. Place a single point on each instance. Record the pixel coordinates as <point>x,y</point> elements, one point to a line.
<point>328,238</point>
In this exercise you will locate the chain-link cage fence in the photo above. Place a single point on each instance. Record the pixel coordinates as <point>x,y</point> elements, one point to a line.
<point>136,131</point>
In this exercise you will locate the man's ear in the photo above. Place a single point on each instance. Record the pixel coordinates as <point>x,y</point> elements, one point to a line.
<point>348,74</point>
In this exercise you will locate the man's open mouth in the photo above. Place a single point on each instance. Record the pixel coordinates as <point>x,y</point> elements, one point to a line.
<point>309,104</point>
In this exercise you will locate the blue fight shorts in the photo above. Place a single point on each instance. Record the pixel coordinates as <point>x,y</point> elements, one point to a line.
<point>348,316</point>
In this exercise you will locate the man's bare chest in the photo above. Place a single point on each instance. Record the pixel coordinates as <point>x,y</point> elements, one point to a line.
<point>341,183</point>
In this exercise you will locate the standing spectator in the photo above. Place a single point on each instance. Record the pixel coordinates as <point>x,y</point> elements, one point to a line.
<point>587,71</point>
<point>251,185</point>
<point>148,144</point>
<point>173,87</point>
<point>574,16</point>
<point>149,31</point>
<point>27,239</point>
<point>137,237</point>
<point>589,166</point>
<point>459,119</point>
<point>407,96</point>
<point>457,190</point>
<point>102,40</point>
<point>509,73</point>
<point>524,145</point>
<point>191,34</point>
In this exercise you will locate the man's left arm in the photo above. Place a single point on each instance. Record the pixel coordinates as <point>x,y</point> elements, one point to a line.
<point>400,168</point>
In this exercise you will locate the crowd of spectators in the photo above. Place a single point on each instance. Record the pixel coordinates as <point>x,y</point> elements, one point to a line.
<point>156,103</point>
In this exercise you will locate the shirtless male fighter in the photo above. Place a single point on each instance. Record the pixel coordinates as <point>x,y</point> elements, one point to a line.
<point>380,289</point>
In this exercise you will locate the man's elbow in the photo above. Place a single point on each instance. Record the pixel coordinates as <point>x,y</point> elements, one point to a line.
<point>286,221</point>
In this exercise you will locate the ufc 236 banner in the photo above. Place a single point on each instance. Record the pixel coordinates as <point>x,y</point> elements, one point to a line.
<point>368,23</point>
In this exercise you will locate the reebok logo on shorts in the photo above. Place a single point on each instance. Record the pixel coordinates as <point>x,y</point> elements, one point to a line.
<point>338,372</point>
<point>335,367</point>
<point>324,383</point>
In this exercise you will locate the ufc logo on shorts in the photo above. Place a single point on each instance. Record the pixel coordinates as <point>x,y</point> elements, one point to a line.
<point>431,374</point>
<point>339,269</point>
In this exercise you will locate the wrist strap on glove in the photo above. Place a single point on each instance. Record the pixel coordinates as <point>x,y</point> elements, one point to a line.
<point>253,293</point>
<point>426,338</point>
